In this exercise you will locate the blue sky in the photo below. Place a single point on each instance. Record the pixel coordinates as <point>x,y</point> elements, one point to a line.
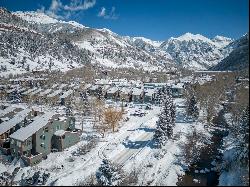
<point>154,19</point>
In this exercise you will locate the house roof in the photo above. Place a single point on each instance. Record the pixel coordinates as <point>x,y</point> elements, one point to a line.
<point>30,90</point>
<point>102,81</point>
<point>45,92</point>
<point>53,94</point>
<point>150,92</point>
<point>136,91</point>
<point>36,91</point>
<point>7,110</point>
<point>54,85</point>
<point>105,87</point>
<point>23,133</point>
<point>62,86</point>
<point>94,87</point>
<point>59,133</point>
<point>125,90</point>
<point>5,126</point>
<point>86,86</point>
<point>11,90</point>
<point>22,89</point>
<point>66,94</point>
<point>178,85</point>
<point>112,90</point>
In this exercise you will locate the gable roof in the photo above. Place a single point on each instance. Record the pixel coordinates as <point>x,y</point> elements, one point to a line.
<point>26,132</point>
<point>19,117</point>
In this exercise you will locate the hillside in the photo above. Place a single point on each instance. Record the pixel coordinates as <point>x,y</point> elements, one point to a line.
<point>238,59</point>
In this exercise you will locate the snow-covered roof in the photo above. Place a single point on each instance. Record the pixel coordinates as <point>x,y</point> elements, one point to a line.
<point>23,133</point>
<point>102,82</point>
<point>155,84</point>
<point>62,86</point>
<point>86,86</point>
<point>105,87</point>
<point>150,92</point>
<point>29,90</point>
<point>59,133</point>
<point>22,89</point>
<point>112,90</point>
<point>36,91</point>
<point>11,90</point>
<point>126,90</point>
<point>7,110</point>
<point>5,126</point>
<point>55,93</point>
<point>94,87</point>
<point>5,119</point>
<point>45,92</point>
<point>177,86</point>
<point>54,85</point>
<point>137,91</point>
<point>76,87</point>
<point>66,94</point>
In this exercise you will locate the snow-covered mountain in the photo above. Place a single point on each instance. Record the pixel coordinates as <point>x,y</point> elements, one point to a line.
<point>238,59</point>
<point>24,48</point>
<point>194,51</point>
<point>45,42</point>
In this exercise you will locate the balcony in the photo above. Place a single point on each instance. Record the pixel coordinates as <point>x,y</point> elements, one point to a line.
<point>32,159</point>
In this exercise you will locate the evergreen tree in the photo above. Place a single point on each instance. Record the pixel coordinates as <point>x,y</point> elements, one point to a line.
<point>109,174</point>
<point>242,135</point>
<point>165,123</point>
<point>192,109</point>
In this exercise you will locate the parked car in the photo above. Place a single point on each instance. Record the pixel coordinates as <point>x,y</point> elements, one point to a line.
<point>138,113</point>
<point>126,119</point>
<point>148,107</point>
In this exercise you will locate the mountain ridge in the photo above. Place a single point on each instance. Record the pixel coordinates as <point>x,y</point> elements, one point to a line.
<point>109,49</point>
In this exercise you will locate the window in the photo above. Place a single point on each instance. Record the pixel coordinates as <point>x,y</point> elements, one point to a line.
<point>46,129</point>
<point>42,136</point>
<point>42,145</point>
<point>18,144</point>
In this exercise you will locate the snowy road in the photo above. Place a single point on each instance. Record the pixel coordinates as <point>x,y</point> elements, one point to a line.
<point>128,153</point>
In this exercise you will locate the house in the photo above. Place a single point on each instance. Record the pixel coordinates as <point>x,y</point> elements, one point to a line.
<point>137,95</point>
<point>42,95</point>
<point>95,90</point>
<point>34,95</point>
<point>63,87</point>
<point>45,92</point>
<point>65,98</point>
<point>102,82</point>
<point>9,114</point>
<point>112,93</point>
<point>49,132</point>
<point>177,89</point>
<point>9,127</point>
<point>150,95</point>
<point>53,97</point>
<point>25,95</point>
<point>6,110</point>
<point>126,94</point>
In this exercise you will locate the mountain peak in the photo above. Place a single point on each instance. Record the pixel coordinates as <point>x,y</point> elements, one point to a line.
<point>189,36</point>
<point>35,17</point>
<point>217,37</point>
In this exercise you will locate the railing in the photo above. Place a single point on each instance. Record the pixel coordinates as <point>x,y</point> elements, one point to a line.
<point>33,159</point>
